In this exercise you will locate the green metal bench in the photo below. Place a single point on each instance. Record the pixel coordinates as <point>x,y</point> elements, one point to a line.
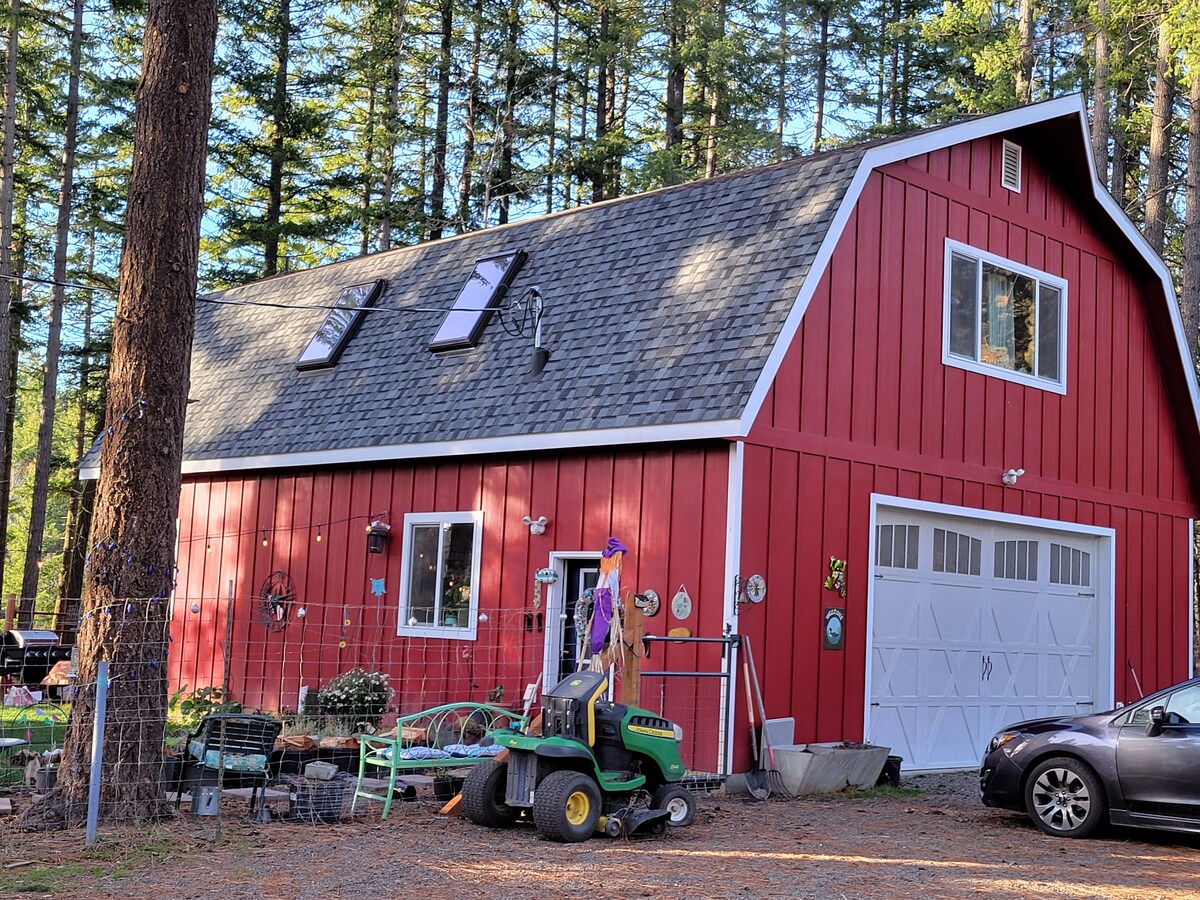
<point>420,744</point>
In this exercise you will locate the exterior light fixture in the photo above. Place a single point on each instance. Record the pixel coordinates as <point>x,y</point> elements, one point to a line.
<point>536,526</point>
<point>378,534</point>
<point>1010,477</point>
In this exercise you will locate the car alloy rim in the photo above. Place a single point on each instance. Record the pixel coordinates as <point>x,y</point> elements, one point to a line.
<point>677,808</point>
<point>1061,799</point>
<point>578,808</point>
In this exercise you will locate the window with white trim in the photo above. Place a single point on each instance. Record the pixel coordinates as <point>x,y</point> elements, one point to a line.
<point>439,575</point>
<point>1004,319</point>
<point>896,546</point>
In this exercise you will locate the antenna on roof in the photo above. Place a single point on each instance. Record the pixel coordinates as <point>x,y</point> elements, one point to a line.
<point>541,355</point>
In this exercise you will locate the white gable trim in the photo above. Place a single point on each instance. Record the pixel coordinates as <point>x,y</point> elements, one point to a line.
<point>904,148</point>
<point>520,443</point>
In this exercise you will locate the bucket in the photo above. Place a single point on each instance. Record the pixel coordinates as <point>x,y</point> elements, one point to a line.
<point>206,801</point>
<point>890,775</point>
<point>47,777</point>
<point>446,788</point>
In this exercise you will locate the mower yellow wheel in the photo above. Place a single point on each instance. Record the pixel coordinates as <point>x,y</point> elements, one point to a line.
<point>579,807</point>
<point>566,806</point>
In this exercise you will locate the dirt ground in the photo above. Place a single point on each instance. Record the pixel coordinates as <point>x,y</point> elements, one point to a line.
<point>932,839</point>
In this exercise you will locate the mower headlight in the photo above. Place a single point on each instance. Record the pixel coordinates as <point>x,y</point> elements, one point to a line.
<point>678,734</point>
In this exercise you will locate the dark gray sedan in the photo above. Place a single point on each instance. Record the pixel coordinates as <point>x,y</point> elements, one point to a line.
<point>1136,766</point>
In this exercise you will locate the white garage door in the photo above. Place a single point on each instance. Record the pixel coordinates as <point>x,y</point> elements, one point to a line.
<point>978,624</point>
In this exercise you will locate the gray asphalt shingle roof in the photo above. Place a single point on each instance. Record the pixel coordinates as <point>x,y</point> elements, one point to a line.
<point>661,308</point>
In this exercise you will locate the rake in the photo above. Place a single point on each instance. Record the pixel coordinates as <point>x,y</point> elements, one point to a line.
<point>774,777</point>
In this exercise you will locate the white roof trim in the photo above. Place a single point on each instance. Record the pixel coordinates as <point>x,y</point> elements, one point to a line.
<point>903,148</point>
<point>520,443</point>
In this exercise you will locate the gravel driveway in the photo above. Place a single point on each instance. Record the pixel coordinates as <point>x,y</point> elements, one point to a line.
<point>938,843</point>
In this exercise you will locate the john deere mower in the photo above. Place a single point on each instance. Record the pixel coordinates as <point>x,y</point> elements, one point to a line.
<point>597,766</point>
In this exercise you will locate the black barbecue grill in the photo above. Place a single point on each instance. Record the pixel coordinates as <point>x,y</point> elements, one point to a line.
<point>26,656</point>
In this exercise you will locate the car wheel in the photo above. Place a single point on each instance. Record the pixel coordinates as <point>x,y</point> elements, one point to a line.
<point>566,807</point>
<point>1064,797</point>
<point>676,800</point>
<point>483,793</point>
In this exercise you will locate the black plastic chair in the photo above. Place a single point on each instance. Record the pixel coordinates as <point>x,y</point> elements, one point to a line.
<point>238,743</point>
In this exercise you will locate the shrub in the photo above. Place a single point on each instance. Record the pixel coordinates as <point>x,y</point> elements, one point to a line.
<point>356,699</point>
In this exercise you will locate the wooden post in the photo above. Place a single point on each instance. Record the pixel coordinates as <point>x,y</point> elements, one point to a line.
<point>631,663</point>
<point>10,612</point>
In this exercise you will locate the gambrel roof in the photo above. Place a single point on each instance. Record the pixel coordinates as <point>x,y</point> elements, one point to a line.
<point>667,315</point>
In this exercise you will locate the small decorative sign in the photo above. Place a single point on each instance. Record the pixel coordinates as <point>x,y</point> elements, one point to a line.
<point>647,601</point>
<point>545,576</point>
<point>756,589</point>
<point>681,603</point>
<point>834,632</point>
<point>680,632</point>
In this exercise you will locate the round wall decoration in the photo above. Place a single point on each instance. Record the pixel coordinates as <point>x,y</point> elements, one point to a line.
<point>681,603</point>
<point>756,589</point>
<point>647,601</point>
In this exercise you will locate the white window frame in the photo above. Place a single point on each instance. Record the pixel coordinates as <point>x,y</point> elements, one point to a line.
<point>444,632</point>
<point>1039,277</point>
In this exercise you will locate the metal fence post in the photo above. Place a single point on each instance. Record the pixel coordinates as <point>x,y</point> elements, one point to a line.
<point>97,751</point>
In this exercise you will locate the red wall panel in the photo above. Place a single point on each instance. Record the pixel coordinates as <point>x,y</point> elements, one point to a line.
<point>880,413</point>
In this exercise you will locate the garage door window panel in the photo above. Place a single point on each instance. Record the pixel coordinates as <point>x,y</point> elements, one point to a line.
<point>1070,566</point>
<point>956,553</point>
<point>1016,560</point>
<point>896,546</point>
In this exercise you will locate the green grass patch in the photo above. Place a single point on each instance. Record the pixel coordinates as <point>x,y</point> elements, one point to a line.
<point>39,879</point>
<point>42,725</point>
<point>881,791</point>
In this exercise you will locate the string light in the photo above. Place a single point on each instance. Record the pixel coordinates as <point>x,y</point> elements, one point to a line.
<point>264,537</point>
<point>318,534</point>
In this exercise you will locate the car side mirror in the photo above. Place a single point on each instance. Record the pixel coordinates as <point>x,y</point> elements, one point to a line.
<point>1154,727</point>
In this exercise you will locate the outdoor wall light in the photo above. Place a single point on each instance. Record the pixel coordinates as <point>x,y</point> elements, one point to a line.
<point>1010,477</point>
<point>536,526</point>
<point>378,534</point>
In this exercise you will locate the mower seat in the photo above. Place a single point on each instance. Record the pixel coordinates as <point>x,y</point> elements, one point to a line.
<point>569,708</point>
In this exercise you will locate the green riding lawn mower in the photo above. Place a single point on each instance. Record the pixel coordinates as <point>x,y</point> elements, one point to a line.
<point>596,766</point>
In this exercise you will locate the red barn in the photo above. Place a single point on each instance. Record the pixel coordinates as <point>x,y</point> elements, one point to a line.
<point>934,390</point>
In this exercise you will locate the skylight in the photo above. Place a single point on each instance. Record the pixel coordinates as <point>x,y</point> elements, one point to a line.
<point>339,325</point>
<point>481,294</point>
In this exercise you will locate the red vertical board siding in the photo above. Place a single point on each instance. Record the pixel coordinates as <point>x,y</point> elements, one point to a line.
<point>1106,452</point>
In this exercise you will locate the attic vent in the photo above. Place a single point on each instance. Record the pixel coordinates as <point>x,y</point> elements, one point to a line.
<point>1010,167</point>
<point>339,326</point>
<point>479,296</point>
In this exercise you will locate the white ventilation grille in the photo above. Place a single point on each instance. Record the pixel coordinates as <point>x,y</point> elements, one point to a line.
<point>1010,167</point>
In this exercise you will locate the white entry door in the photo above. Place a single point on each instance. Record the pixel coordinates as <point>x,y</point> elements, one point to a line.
<point>977,624</point>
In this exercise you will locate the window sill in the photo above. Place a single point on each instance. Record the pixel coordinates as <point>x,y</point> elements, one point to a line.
<point>444,633</point>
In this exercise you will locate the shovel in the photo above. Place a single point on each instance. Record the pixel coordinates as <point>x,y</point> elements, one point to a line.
<point>757,781</point>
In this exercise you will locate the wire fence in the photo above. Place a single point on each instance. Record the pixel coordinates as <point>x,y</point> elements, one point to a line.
<point>307,684</point>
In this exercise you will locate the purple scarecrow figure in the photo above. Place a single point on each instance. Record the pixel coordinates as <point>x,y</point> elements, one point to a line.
<point>608,587</point>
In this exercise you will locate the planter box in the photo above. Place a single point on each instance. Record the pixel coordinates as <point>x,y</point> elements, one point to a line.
<point>826,768</point>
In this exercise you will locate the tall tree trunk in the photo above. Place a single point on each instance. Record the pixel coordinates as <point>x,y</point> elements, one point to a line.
<point>280,104</point>
<point>20,315</point>
<point>83,493</point>
<point>716,84</point>
<point>368,178</point>
<point>1100,94</point>
<point>822,69</point>
<point>894,66</point>
<point>1123,155</point>
<point>601,106</point>
<point>781,79</point>
<point>553,114</point>
<point>1024,73</point>
<point>508,124</point>
<point>673,111</point>
<point>132,565</point>
<point>1189,297</point>
<point>8,385</point>
<point>62,237</point>
<point>472,119</point>
<point>437,201</point>
<point>1161,127</point>
<point>387,190</point>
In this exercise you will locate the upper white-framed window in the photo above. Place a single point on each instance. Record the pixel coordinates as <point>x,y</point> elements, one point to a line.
<point>439,575</point>
<point>1003,319</point>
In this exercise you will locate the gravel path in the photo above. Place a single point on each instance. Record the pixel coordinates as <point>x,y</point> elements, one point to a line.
<point>938,843</point>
